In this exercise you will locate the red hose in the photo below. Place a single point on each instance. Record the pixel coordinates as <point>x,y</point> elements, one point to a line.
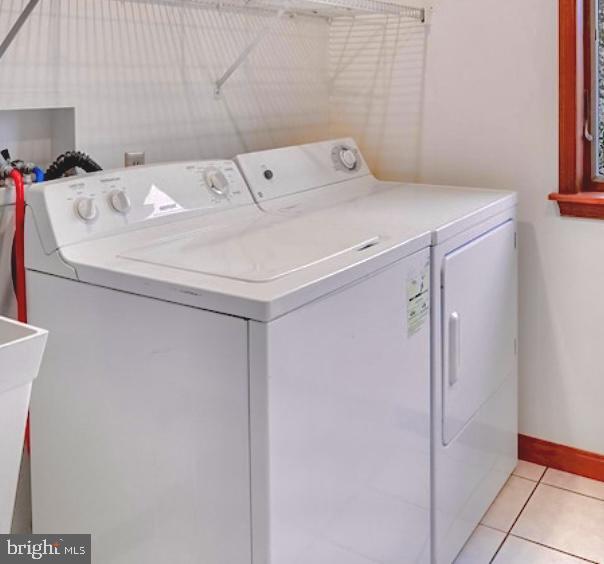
<point>20,261</point>
<point>20,245</point>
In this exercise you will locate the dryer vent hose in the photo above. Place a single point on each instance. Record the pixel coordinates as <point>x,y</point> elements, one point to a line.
<point>69,160</point>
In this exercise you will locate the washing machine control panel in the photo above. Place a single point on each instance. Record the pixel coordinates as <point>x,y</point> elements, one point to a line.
<point>79,207</point>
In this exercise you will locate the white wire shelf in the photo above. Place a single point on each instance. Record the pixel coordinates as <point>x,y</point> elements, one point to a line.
<point>329,9</point>
<point>318,8</point>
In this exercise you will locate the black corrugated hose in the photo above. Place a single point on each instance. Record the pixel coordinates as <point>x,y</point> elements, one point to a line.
<point>69,160</point>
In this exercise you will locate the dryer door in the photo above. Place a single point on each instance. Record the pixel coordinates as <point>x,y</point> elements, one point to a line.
<point>479,296</point>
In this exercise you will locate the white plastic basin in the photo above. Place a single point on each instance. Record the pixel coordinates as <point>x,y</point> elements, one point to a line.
<point>21,348</point>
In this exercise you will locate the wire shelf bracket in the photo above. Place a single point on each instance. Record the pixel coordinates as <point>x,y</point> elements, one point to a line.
<point>246,52</point>
<point>16,28</point>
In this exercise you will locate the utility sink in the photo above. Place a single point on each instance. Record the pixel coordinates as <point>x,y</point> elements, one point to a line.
<point>21,348</point>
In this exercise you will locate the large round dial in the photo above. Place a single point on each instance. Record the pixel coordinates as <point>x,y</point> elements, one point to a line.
<point>86,209</point>
<point>348,158</point>
<point>217,181</point>
<point>119,201</point>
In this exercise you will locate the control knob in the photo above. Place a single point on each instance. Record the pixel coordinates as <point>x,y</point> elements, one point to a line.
<point>86,209</point>
<point>217,181</point>
<point>348,158</point>
<point>119,201</point>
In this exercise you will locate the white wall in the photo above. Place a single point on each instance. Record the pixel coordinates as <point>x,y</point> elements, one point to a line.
<point>377,90</point>
<point>491,120</point>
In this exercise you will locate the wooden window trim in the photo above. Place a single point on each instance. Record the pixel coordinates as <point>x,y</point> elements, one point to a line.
<point>578,194</point>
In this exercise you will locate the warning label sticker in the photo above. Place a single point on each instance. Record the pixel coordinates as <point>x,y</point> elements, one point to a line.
<point>418,300</point>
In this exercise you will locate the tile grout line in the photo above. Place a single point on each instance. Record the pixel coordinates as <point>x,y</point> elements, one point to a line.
<point>573,491</point>
<point>491,527</point>
<point>568,489</point>
<point>499,548</point>
<point>545,545</point>
<point>554,548</point>
<point>545,468</point>
<point>510,534</point>
<point>518,516</point>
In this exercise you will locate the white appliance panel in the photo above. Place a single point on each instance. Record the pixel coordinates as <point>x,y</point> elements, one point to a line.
<point>469,471</point>
<point>257,253</point>
<point>140,426</point>
<point>478,324</point>
<point>472,469</point>
<point>290,170</point>
<point>216,252</point>
<point>340,426</point>
<point>155,194</point>
<point>308,177</point>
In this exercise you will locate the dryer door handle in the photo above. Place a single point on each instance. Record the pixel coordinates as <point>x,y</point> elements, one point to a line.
<point>454,347</point>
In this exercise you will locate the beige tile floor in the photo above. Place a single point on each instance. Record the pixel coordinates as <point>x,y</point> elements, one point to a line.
<point>541,516</point>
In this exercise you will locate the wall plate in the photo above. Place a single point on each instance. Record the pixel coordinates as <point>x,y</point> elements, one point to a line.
<point>134,159</point>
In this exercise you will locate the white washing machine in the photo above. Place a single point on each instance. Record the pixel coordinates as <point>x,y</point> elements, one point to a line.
<point>223,385</point>
<point>474,311</point>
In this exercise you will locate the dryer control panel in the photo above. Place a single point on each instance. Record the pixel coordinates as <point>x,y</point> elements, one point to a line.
<point>290,170</point>
<point>76,208</point>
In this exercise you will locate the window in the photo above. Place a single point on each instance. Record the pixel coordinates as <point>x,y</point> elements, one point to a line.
<point>597,87</point>
<point>581,113</point>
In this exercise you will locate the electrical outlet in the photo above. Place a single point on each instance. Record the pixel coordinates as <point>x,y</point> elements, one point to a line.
<point>134,159</point>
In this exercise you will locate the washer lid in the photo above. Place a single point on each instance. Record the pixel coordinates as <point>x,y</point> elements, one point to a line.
<point>260,251</point>
<point>243,261</point>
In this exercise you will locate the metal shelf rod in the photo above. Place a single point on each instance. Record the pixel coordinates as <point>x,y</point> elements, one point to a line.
<point>318,8</point>
<point>19,23</point>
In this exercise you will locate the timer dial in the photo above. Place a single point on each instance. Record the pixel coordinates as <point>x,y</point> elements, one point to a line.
<point>217,181</point>
<point>348,158</point>
<point>119,201</point>
<point>86,209</point>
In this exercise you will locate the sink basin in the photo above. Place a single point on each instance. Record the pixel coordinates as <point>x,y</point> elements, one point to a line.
<point>21,348</point>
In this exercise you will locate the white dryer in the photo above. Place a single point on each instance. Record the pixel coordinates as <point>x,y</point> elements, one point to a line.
<point>474,310</point>
<point>223,385</point>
